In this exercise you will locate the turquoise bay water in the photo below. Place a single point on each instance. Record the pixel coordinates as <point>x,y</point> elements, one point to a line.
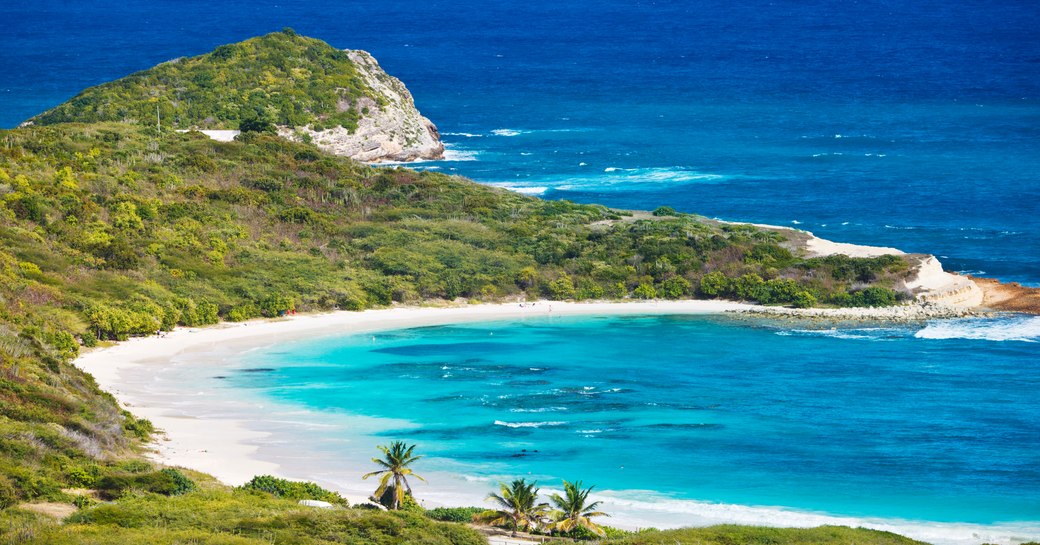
<point>940,423</point>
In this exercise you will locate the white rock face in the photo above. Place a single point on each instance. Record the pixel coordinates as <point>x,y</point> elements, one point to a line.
<point>394,131</point>
<point>934,285</point>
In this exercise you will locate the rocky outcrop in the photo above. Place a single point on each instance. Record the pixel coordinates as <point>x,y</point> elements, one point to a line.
<point>390,127</point>
<point>934,285</point>
<point>1011,297</point>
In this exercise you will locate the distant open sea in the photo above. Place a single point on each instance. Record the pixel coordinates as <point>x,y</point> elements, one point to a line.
<point>907,124</point>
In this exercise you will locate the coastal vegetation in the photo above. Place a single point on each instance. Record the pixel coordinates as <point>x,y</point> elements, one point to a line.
<point>575,511</point>
<point>517,507</point>
<point>281,78</point>
<point>110,228</point>
<point>393,483</point>
<point>293,490</point>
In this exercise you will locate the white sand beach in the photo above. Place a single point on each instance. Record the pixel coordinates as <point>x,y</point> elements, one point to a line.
<point>209,446</point>
<point>234,439</point>
<point>226,448</point>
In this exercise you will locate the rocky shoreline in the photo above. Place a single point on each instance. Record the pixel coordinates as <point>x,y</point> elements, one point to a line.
<point>902,314</point>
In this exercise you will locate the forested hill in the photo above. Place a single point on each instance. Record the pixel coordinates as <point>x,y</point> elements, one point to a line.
<point>131,232</point>
<point>281,78</point>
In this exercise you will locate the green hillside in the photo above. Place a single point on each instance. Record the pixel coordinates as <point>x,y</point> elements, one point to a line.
<point>281,77</point>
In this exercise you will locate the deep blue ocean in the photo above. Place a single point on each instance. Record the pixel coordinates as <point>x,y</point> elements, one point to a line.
<point>906,124</point>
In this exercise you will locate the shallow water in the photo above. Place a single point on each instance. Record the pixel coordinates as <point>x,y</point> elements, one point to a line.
<point>915,423</point>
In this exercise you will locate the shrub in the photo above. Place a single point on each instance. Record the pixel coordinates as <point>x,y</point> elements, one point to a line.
<point>588,289</point>
<point>134,466</point>
<point>8,494</point>
<point>665,211</point>
<point>675,288</point>
<point>292,490</point>
<point>168,482</point>
<point>82,476</point>
<point>454,514</point>
<point>137,427</point>
<point>88,338</point>
<point>276,305</point>
<point>242,313</point>
<point>561,288</point>
<point>257,123</point>
<point>715,284</point>
<point>804,299</point>
<point>181,484</point>
<point>645,291</point>
<point>875,296</point>
<point>746,288</point>
<point>777,290</point>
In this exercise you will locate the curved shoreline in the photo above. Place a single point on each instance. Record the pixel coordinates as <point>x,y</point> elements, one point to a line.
<point>237,439</point>
<point>209,449</point>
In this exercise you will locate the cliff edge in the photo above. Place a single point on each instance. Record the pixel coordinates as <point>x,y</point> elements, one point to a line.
<point>389,128</point>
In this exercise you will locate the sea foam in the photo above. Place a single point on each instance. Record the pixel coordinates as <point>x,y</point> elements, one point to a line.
<point>1019,328</point>
<point>524,189</point>
<point>453,154</point>
<point>528,424</point>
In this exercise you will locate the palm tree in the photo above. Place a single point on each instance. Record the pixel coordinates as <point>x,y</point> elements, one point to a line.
<point>575,512</point>
<point>396,459</point>
<point>516,506</point>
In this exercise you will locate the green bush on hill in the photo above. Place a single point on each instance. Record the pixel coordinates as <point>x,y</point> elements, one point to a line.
<point>454,514</point>
<point>168,482</point>
<point>292,490</point>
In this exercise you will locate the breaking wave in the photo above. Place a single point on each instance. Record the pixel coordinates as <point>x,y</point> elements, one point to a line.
<point>1018,328</point>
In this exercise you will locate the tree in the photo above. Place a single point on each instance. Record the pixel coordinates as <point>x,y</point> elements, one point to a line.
<point>575,511</point>
<point>257,122</point>
<point>393,485</point>
<point>645,291</point>
<point>715,284</point>
<point>517,506</point>
<point>675,287</point>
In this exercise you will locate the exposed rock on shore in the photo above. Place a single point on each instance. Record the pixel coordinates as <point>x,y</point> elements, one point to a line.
<point>1011,297</point>
<point>389,129</point>
<point>937,293</point>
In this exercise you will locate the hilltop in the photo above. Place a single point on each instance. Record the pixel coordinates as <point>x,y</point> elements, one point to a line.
<point>309,90</point>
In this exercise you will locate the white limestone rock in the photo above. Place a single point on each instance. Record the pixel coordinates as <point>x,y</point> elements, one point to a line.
<point>391,129</point>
